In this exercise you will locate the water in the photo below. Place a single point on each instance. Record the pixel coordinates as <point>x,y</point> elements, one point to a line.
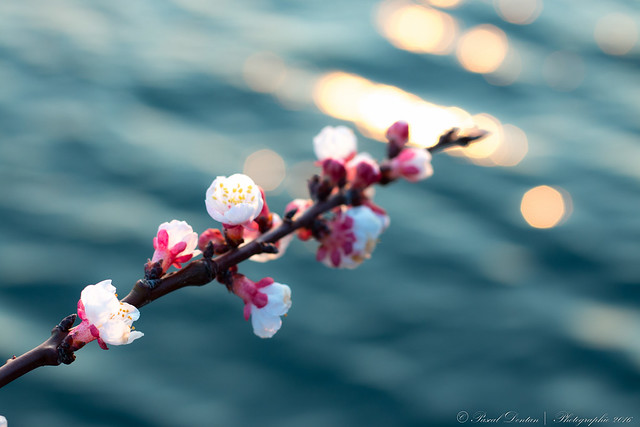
<point>116,116</point>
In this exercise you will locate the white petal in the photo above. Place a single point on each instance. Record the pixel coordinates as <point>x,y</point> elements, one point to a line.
<point>279,299</point>
<point>264,324</point>
<point>99,301</point>
<point>240,214</point>
<point>336,142</point>
<point>115,332</point>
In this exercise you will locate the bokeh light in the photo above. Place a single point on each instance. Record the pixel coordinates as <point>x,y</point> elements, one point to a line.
<point>416,28</point>
<point>373,107</point>
<point>545,207</point>
<point>264,72</point>
<point>514,147</point>
<point>482,49</point>
<point>266,168</point>
<point>563,71</point>
<point>445,4</point>
<point>508,72</point>
<point>521,12</point>
<point>616,33</point>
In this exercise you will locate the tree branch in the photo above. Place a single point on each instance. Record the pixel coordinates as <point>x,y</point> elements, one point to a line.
<point>55,350</point>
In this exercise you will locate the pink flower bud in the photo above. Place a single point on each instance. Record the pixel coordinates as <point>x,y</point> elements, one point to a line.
<point>265,301</point>
<point>175,244</point>
<point>212,235</point>
<point>398,133</point>
<point>334,169</point>
<point>412,164</point>
<point>363,170</point>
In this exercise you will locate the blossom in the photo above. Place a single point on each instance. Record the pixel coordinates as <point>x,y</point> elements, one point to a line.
<point>174,244</point>
<point>3,421</point>
<point>252,232</point>
<point>353,236</point>
<point>265,301</point>
<point>234,200</point>
<point>412,164</point>
<point>363,170</point>
<point>335,142</point>
<point>104,317</point>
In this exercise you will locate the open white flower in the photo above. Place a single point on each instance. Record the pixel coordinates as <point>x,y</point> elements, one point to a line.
<point>104,317</point>
<point>266,321</point>
<point>335,142</point>
<point>353,236</point>
<point>233,200</point>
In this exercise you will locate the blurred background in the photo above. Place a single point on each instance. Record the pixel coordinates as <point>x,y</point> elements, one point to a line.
<point>507,282</point>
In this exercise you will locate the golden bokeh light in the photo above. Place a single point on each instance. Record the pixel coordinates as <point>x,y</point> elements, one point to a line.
<point>373,107</point>
<point>563,71</point>
<point>508,72</point>
<point>416,28</point>
<point>616,33</point>
<point>480,152</point>
<point>264,72</point>
<point>514,147</point>
<point>521,12</point>
<point>545,207</point>
<point>482,49</point>
<point>266,168</point>
<point>445,4</point>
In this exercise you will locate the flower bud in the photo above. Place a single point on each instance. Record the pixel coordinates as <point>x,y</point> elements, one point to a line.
<point>335,170</point>
<point>412,164</point>
<point>398,135</point>
<point>335,142</point>
<point>174,244</point>
<point>363,170</point>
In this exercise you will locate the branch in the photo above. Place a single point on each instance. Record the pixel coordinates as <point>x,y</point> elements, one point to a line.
<point>56,350</point>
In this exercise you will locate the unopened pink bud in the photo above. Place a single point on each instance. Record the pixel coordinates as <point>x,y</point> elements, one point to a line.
<point>334,169</point>
<point>363,170</point>
<point>212,235</point>
<point>398,133</point>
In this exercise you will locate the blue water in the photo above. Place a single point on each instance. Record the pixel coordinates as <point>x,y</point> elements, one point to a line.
<point>115,116</point>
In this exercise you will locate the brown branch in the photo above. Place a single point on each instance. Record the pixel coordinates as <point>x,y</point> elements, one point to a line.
<point>55,350</point>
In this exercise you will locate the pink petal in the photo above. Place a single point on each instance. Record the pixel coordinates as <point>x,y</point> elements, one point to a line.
<point>177,248</point>
<point>321,254</point>
<point>260,299</point>
<point>163,238</point>
<point>410,170</point>
<point>347,247</point>
<point>81,312</point>
<point>335,258</point>
<point>94,331</point>
<point>102,344</point>
<point>264,282</point>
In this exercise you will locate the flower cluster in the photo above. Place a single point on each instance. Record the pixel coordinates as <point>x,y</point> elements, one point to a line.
<point>346,234</point>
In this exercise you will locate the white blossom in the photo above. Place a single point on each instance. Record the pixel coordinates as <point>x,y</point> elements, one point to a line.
<point>233,200</point>
<point>335,142</point>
